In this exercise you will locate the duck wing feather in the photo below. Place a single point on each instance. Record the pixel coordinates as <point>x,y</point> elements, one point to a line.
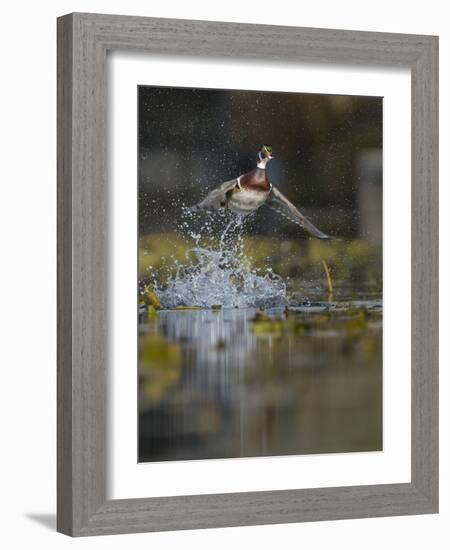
<point>217,198</point>
<point>281,204</point>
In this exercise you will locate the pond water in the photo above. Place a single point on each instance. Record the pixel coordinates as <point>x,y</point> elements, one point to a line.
<point>241,382</point>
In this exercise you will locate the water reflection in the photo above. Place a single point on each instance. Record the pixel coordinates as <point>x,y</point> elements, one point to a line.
<point>215,384</point>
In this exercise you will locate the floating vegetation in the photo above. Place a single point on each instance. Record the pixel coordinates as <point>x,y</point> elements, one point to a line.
<point>149,298</point>
<point>335,320</point>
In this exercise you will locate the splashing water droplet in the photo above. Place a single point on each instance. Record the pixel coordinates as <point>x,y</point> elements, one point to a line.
<point>221,273</point>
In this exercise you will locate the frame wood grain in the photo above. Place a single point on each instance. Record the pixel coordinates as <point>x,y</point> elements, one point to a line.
<point>83,40</point>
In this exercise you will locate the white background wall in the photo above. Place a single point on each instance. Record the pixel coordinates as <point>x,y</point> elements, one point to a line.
<point>28,271</point>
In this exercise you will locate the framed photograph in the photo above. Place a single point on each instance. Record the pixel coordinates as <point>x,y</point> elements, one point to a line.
<point>247,274</point>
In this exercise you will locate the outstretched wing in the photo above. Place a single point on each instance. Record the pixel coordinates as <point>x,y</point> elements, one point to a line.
<point>281,204</point>
<point>217,198</point>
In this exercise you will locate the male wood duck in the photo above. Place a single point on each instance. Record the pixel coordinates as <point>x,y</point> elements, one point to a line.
<point>249,191</point>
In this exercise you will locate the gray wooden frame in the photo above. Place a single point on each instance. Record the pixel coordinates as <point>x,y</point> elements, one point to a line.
<point>83,40</point>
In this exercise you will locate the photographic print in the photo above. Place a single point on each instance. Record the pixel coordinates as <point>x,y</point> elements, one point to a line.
<point>260,273</point>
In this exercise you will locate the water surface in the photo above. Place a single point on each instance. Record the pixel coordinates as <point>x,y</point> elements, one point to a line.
<point>218,384</point>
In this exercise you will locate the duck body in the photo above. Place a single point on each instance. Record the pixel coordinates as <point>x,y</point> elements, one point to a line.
<point>251,190</point>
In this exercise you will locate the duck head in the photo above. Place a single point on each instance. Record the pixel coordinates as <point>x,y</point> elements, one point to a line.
<point>265,155</point>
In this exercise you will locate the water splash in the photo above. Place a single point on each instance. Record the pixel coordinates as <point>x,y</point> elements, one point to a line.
<point>221,272</point>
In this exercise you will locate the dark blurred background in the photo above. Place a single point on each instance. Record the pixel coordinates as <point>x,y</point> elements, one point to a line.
<point>327,148</point>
